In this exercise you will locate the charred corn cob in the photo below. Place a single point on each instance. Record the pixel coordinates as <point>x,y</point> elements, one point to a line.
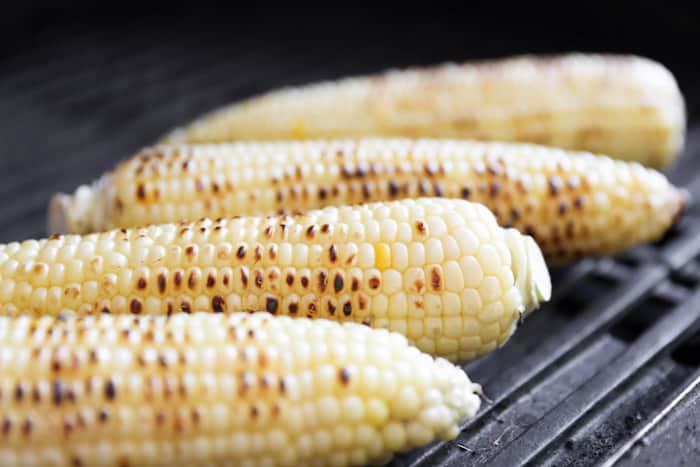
<point>625,106</point>
<point>440,271</point>
<point>574,204</point>
<point>209,389</point>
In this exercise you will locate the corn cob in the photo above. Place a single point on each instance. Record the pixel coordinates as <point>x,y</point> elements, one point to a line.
<point>440,271</point>
<point>625,106</point>
<point>207,389</point>
<point>574,204</point>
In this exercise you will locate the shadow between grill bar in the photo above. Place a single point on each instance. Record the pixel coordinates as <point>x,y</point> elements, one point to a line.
<point>549,429</point>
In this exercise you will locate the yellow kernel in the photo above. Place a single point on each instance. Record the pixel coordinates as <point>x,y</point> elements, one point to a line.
<point>471,271</point>
<point>394,436</point>
<point>406,403</point>
<point>490,289</point>
<point>382,255</point>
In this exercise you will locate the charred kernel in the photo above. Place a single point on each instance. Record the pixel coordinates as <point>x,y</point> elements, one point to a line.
<point>258,253</point>
<point>311,231</point>
<point>211,281</point>
<point>141,284</point>
<point>103,416</point>
<point>393,188</point>
<point>322,193</point>
<point>218,304</point>
<point>578,202</point>
<point>271,305</point>
<point>161,283</point>
<point>344,376</point>
<point>293,308</point>
<point>555,184</point>
<point>141,192</point>
<point>563,207</point>
<point>290,279</point>
<point>366,190</point>
<point>322,281</point>
<point>240,253</point>
<point>338,282</point>
<point>244,277</point>
<point>258,279</point>
<point>494,189</point>
<point>19,392</point>
<point>435,279</point>
<point>272,252</point>
<point>325,228</point>
<point>421,228</point>
<point>269,231</point>
<point>185,307</point>
<point>514,214</point>
<point>110,390</point>
<point>347,309</point>
<point>430,169</point>
<point>135,306</point>
<point>374,283</point>
<point>225,279</point>
<point>362,302</point>
<point>177,279</point>
<point>57,392</point>
<point>333,253</point>
<point>465,192</point>
<point>331,308</point>
<point>355,284</point>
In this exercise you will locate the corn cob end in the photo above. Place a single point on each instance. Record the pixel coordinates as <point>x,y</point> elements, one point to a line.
<point>529,269</point>
<point>83,211</point>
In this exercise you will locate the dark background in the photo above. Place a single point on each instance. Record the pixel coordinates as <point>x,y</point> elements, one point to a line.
<point>83,86</point>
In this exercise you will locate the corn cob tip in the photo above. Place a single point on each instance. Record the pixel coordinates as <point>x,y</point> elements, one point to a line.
<point>80,212</point>
<point>529,269</point>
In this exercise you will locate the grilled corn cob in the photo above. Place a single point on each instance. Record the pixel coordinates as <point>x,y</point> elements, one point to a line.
<point>574,204</point>
<point>440,271</point>
<point>625,106</point>
<point>209,389</point>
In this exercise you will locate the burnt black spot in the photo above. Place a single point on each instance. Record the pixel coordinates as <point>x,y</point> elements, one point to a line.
<point>218,304</point>
<point>322,281</point>
<point>185,307</point>
<point>258,279</point>
<point>374,283</point>
<point>141,192</point>
<point>311,231</point>
<point>338,282</point>
<point>57,392</point>
<point>161,283</point>
<point>271,305</point>
<point>141,284</point>
<point>514,214</point>
<point>333,253</point>
<point>555,184</point>
<point>19,392</point>
<point>465,192</point>
<point>355,284</point>
<point>347,309</point>
<point>290,279</point>
<point>304,281</point>
<point>322,193</point>
<point>331,308</point>
<point>240,253</point>
<point>110,390</point>
<point>344,376</point>
<point>393,188</point>
<point>135,306</point>
<point>177,279</point>
<point>366,190</point>
<point>494,189</point>
<point>578,202</point>
<point>244,277</point>
<point>293,308</point>
<point>563,207</point>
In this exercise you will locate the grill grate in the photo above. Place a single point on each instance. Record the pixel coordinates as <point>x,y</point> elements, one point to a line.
<point>584,380</point>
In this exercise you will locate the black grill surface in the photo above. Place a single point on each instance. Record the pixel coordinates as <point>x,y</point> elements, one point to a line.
<point>606,373</point>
